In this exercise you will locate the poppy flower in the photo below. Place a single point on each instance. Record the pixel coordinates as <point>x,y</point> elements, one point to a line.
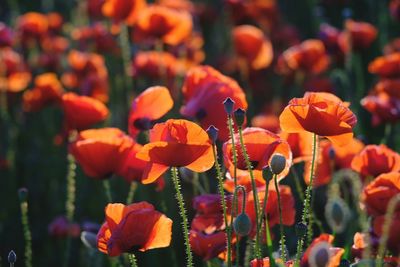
<point>150,105</point>
<point>207,246</point>
<point>329,36</point>
<point>16,76</point>
<point>380,191</point>
<point>268,122</point>
<point>60,227</point>
<point>82,112</point>
<point>47,90</point>
<point>123,10</point>
<point>94,8</point>
<point>88,74</point>
<point>192,49</point>
<point>102,152</point>
<point>32,26</point>
<point>204,90</point>
<point>176,143</point>
<point>162,23</point>
<point>261,145</point>
<point>133,227</point>
<point>322,114</point>
<point>6,35</point>
<point>393,242</point>
<point>252,46</point>
<point>331,158</point>
<point>266,263</point>
<point>300,145</point>
<point>374,160</point>
<point>387,66</point>
<point>357,36</point>
<point>335,253</point>
<point>309,57</point>
<point>394,8</point>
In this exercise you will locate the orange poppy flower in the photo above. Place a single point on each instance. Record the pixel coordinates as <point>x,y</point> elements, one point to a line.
<point>335,253</point>
<point>261,145</point>
<point>393,242</point>
<point>176,143</point>
<point>252,46</point>
<point>15,75</point>
<point>319,113</point>
<point>268,122</point>
<point>379,192</point>
<point>32,26</point>
<point>330,159</point>
<point>123,10</point>
<point>357,35</point>
<point>204,91</point>
<point>95,36</point>
<point>162,23</point>
<point>387,66</point>
<point>47,90</point>
<point>374,160</point>
<point>102,152</point>
<point>136,226</point>
<point>300,145</point>
<point>82,112</point>
<point>309,57</point>
<point>150,105</point>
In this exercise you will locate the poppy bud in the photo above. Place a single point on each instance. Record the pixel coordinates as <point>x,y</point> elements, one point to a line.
<point>12,257</point>
<point>337,214</point>
<point>242,224</point>
<point>89,239</point>
<point>212,133</point>
<point>278,163</point>
<point>23,194</point>
<point>301,229</point>
<point>266,174</point>
<point>320,255</point>
<point>228,105</point>
<point>240,115</point>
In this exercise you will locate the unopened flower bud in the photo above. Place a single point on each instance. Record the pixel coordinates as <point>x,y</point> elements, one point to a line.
<point>242,224</point>
<point>212,132</point>
<point>320,255</point>
<point>228,105</point>
<point>240,115</point>
<point>301,229</point>
<point>23,194</point>
<point>337,214</point>
<point>12,257</point>
<point>267,174</point>
<point>278,163</point>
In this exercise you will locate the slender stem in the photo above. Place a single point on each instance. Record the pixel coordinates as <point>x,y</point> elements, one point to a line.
<point>254,189</point>
<point>27,233</point>
<point>126,57</point>
<point>131,193</point>
<point>132,260</point>
<point>264,217</point>
<point>235,210</point>
<point>182,211</point>
<point>282,240</point>
<point>223,204</point>
<point>107,189</point>
<point>70,201</point>
<point>306,209</point>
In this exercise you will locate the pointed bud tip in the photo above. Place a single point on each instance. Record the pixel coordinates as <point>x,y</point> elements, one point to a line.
<point>212,132</point>
<point>228,105</point>
<point>12,257</point>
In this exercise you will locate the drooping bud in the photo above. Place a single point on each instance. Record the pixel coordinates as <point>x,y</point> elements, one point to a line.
<point>228,105</point>
<point>12,257</point>
<point>337,214</point>
<point>23,194</point>
<point>242,224</point>
<point>320,255</point>
<point>89,239</point>
<point>240,115</point>
<point>212,132</point>
<point>267,174</point>
<point>278,163</point>
<point>301,229</point>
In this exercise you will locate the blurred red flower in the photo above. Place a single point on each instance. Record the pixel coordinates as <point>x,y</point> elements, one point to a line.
<point>357,36</point>
<point>387,66</point>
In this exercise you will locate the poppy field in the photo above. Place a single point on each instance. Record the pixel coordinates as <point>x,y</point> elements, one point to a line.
<point>209,133</point>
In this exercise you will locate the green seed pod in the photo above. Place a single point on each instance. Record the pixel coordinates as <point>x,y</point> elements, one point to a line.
<point>278,163</point>
<point>337,214</point>
<point>320,255</point>
<point>242,224</point>
<point>266,174</point>
<point>240,115</point>
<point>212,132</point>
<point>228,105</point>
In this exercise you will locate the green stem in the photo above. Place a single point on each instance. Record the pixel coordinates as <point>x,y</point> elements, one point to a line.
<point>126,58</point>
<point>27,233</point>
<point>264,217</point>
<point>223,204</point>
<point>132,260</point>
<point>254,189</point>
<point>306,209</point>
<point>70,201</point>
<point>182,211</point>
<point>107,189</point>
<point>282,240</point>
<point>131,193</point>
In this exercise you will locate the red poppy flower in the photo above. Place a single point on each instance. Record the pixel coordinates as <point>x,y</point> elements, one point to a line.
<point>261,145</point>
<point>6,35</point>
<point>300,145</point>
<point>123,10</point>
<point>150,105</point>
<point>379,192</point>
<point>252,46</point>
<point>393,242</point>
<point>176,143</point>
<point>357,36</point>
<point>16,76</point>
<point>94,8</point>
<point>162,23</point>
<point>309,57</point>
<point>387,66</point>
<point>207,246</point>
<point>330,159</point>
<point>335,253</point>
<point>374,160</point>
<point>204,91</point>
<point>136,226</point>
<point>60,227</point>
<point>394,8</point>
<point>82,112</point>
<point>102,152</point>
<point>319,113</point>
<point>329,36</point>
<point>32,26</point>
<point>47,90</point>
